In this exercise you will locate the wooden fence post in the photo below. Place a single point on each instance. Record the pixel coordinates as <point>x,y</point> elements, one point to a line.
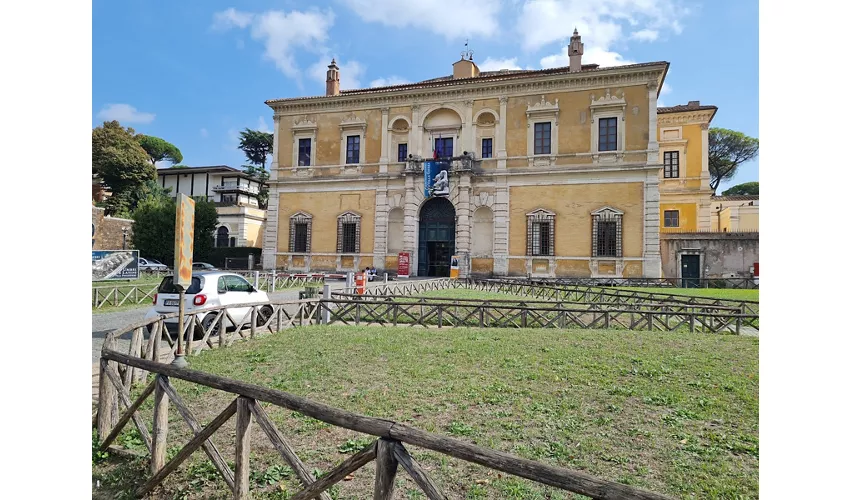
<point>243,448</point>
<point>386,466</point>
<point>107,402</point>
<point>160,426</point>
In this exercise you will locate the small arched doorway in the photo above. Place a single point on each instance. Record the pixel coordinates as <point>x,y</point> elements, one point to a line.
<point>436,237</point>
<point>222,236</point>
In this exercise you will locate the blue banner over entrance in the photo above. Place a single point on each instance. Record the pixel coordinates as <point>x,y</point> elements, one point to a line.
<point>436,182</point>
<point>429,170</point>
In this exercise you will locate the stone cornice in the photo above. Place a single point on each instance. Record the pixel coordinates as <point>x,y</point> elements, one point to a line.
<point>517,87</point>
<point>686,117</point>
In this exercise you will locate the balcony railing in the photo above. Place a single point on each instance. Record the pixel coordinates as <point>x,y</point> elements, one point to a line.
<point>232,186</point>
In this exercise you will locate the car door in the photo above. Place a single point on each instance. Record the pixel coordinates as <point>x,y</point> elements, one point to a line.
<point>238,292</point>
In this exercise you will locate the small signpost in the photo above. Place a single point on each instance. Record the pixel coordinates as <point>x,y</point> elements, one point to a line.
<point>404,265</point>
<point>184,244</point>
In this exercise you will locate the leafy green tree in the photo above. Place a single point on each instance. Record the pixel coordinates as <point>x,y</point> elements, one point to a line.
<point>727,149</point>
<point>121,163</point>
<point>747,188</point>
<point>256,145</point>
<point>159,149</point>
<point>262,176</point>
<point>153,227</point>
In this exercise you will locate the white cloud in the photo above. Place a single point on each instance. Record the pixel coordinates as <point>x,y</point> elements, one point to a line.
<point>349,73</point>
<point>232,142</point>
<point>660,104</point>
<point>124,113</point>
<point>592,55</point>
<point>449,18</point>
<point>666,89</point>
<point>204,132</point>
<point>644,35</point>
<point>603,25</point>
<point>385,82</point>
<point>282,33</point>
<point>231,17</point>
<point>262,126</point>
<point>491,64</point>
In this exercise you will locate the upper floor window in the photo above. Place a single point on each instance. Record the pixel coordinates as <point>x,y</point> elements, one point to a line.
<point>607,134</point>
<point>671,218</point>
<point>671,164</point>
<point>444,147</point>
<point>352,149</point>
<point>543,138</point>
<point>402,152</point>
<point>487,148</point>
<point>304,150</point>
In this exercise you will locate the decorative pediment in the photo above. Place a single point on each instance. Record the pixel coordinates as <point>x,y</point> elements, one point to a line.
<point>299,216</point>
<point>541,213</point>
<point>301,123</point>
<point>605,210</point>
<point>542,107</point>
<point>608,100</point>
<point>352,121</point>
<point>349,216</point>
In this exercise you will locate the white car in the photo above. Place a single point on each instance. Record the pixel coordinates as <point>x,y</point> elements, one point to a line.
<point>210,289</point>
<point>151,265</point>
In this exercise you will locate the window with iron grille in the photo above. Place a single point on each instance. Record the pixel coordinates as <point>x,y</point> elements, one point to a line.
<point>348,233</point>
<point>304,147</point>
<point>607,234</point>
<point>487,148</point>
<point>671,218</point>
<point>671,164</point>
<point>607,134</point>
<point>543,138</point>
<point>540,238</point>
<point>352,149</point>
<point>402,152</point>
<point>300,232</point>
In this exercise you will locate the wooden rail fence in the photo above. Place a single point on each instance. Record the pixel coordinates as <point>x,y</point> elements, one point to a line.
<point>387,450</point>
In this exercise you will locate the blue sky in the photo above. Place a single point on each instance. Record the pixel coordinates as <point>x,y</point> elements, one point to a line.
<point>197,72</point>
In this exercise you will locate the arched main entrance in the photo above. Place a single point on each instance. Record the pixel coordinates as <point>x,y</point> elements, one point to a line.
<point>436,237</point>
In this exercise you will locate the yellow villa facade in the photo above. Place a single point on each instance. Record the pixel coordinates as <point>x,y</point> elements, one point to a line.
<point>556,172</point>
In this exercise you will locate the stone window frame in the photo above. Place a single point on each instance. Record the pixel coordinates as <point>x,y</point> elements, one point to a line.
<point>351,125</point>
<point>678,144</point>
<point>664,218</point>
<point>348,217</point>
<point>606,214</point>
<point>678,163</point>
<point>536,217</point>
<point>300,218</point>
<point>608,106</point>
<point>304,129</point>
<point>542,112</point>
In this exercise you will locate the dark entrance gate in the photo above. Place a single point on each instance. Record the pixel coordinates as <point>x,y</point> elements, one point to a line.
<point>436,237</point>
<point>690,271</point>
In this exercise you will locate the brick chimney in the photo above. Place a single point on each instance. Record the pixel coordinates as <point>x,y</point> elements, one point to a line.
<point>332,83</point>
<point>576,51</point>
<point>693,104</point>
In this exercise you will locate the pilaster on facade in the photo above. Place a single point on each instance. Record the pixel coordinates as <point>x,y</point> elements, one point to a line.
<point>382,210</point>
<point>652,227</point>
<point>385,141</point>
<point>415,145</point>
<point>270,234</point>
<point>652,146</point>
<point>501,222</point>
<point>501,135</point>
<point>411,221</point>
<point>463,241</point>
<point>467,137</point>
<point>704,214</point>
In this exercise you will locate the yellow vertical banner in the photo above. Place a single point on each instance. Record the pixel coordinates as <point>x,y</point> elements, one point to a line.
<point>454,270</point>
<point>184,240</point>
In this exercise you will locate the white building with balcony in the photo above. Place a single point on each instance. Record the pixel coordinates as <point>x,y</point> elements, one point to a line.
<point>240,220</point>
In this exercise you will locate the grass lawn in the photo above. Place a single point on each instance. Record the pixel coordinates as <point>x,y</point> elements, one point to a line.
<point>675,413</point>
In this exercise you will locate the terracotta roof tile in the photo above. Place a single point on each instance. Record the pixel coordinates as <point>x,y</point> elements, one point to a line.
<point>736,197</point>
<point>446,81</point>
<point>691,106</point>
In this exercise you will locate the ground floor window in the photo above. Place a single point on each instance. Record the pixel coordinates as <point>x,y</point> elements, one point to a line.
<point>300,229</point>
<point>348,233</point>
<point>540,236</point>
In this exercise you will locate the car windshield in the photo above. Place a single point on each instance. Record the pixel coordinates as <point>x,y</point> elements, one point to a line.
<point>151,261</point>
<point>167,285</point>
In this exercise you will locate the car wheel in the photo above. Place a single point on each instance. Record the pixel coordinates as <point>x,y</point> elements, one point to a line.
<point>205,324</point>
<point>264,314</point>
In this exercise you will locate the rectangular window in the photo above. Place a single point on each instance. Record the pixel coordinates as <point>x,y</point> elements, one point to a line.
<point>444,146</point>
<point>349,237</point>
<point>671,164</point>
<point>304,146</point>
<point>352,149</point>
<point>300,237</point>
<point>540,238</point>
<point>606,239</point>
<point>487,148</point>
<point>607,134</point>
<point>543,138</point>
<point>671,218</point>
<point>402,152</point>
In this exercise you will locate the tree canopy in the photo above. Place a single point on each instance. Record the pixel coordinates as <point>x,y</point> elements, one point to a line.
<point>727,149</point>
<point>121,163</point>
<point>747,188</point>
<point>256,145</point>
<point>262,175</point>
<point>159,149</point>
<point>153,227</point>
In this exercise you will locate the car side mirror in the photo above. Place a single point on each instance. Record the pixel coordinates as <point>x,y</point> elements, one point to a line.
<point>221,291</point>
<point>251,289</point>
